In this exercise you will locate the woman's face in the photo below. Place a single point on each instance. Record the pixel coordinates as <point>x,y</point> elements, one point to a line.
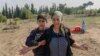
<point>56,20</point>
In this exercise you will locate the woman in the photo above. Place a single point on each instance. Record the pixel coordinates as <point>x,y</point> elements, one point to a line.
<point>58,38</point>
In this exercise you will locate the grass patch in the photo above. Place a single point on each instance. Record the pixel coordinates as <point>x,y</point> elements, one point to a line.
<point>89,21</point>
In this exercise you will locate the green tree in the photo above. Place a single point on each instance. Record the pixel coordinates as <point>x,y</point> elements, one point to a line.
<point>90,3</point>
<point>26,13</point>
<point>67,11</point>
<point>46,9</point>
<point>53,8</point>
<point>33,9</point>
<point>40,10</point>
<point>6,10</point>
<point>98,11</point>
<point>12,12</point>
<point>26,6</point>
<point>3,12</point>
<point>62,7</point>
<point>3,18</point>
<point>17,12</point>
<point>9,13</point>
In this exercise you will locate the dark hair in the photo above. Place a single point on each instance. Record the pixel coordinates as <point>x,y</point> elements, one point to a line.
<point>41,17</point>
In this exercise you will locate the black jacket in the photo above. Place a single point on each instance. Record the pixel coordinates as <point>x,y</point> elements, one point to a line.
<point>47,36</point>
<point>32,41</point>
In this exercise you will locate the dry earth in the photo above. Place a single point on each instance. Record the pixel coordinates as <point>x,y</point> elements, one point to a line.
<point>11,41</point>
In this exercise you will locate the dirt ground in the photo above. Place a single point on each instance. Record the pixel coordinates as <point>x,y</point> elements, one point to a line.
<point>11,41</point>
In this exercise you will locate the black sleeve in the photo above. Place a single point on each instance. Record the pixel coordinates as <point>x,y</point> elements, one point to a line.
<point>71,41</point>
<point>30,39</point>
<point>70,38</point>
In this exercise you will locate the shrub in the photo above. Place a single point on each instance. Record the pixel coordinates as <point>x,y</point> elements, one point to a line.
<point>3,18</point>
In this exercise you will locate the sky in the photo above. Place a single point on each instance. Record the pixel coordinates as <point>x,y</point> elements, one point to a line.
<point>37,3</point>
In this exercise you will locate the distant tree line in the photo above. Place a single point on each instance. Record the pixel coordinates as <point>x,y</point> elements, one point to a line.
<point>28,11</point>
<point>23,13</point>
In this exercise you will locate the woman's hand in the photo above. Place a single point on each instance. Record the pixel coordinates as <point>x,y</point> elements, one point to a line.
<point>84,47</point>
